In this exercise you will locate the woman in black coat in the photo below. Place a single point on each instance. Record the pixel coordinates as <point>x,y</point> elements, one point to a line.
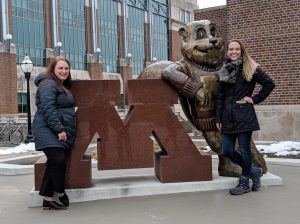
<point>54,127</point>
<point>235,114</point>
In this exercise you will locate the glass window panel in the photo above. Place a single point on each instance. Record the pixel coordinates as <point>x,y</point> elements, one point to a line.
<point>108,30</point>
<point>136,38</point>
<point>160,38</point>
<point>14,11</point>
<point>22,102</point>
<point>73,28</point>
<point>28,37</point>
<point>24,4</point>
<point>188,17</point>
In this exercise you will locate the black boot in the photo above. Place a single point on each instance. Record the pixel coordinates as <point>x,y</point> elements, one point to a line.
<point>52,205</point>
<point>255,176</point>
<point>242,187</point>
<point>64,199</point>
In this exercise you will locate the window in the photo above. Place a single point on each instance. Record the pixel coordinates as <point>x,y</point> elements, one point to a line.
<point>22,102</point>
<point>109,39</point>
<point>136,18</point>
<point>160,7</point>
<point>28,18</point>
<point>141,4</point>
<point>159,42</point>
<point>185,16</point>
<point>73,29</point>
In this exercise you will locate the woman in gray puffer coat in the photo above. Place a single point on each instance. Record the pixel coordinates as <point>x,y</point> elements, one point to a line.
<point>54,127</point>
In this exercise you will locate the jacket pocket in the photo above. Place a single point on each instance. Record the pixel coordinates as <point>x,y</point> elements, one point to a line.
<point>244,113</point>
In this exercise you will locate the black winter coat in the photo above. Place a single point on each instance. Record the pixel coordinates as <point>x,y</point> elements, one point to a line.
<point>236,118</point>
<point>55,114</point>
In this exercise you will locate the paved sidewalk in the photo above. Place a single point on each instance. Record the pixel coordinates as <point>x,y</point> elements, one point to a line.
<point>275,204</point>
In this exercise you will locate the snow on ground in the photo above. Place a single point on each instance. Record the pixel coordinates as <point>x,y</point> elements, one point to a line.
<point>284,148</point>
<point>22,148</point>
<point>281,148</point>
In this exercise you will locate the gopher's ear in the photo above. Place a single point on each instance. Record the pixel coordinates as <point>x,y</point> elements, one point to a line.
<point>182,32</point>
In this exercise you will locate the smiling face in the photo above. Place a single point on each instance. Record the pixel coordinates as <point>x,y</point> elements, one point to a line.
<point>62,70</point>
<point>234,51</point>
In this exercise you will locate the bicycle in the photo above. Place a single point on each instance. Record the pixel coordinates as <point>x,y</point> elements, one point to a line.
<point>11,133</point>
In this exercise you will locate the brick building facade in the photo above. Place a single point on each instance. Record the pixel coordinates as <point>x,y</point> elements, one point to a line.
<point>217,15</point>
<point>113,39</point>
<point>269,30</point>
<point>8,90</point>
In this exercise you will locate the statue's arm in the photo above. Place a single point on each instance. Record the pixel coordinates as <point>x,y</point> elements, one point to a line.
<point>175,76</point>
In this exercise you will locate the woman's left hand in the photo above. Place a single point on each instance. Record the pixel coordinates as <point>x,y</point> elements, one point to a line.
<point>248,99</point>
<point>62,136</point>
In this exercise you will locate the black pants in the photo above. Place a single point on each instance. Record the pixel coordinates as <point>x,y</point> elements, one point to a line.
<point>54,176</point>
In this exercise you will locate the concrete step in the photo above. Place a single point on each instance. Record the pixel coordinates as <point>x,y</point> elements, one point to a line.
<point>142,182</point>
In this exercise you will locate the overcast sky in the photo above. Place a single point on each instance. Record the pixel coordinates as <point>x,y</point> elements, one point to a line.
<point>210,3</point>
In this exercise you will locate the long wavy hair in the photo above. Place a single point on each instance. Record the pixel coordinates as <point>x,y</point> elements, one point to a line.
<point>249,65</point>
<point>66,84</point>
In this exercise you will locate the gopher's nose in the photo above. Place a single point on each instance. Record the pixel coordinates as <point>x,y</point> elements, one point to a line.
<point>213,40</point>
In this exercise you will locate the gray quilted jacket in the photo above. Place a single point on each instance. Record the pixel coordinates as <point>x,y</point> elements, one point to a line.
<point>55,113</point>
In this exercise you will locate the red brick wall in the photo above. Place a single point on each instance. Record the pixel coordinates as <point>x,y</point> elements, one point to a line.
<point>95,70</point>
<point>147,43</point>
<point>269,29</point>
<point>48,29</point>
<point>175,50</point>
<point>8,80</point>
<point>89,47</point>
<point>216,15</point>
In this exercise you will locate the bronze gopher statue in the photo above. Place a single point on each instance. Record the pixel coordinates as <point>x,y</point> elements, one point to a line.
<point>195,78</point>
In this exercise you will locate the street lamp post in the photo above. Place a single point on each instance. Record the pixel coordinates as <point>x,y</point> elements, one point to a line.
<point>26,67</point>
<point>7,42</point>
<point>97,55</point>
<point>58,48</point>
<point>128,59</point>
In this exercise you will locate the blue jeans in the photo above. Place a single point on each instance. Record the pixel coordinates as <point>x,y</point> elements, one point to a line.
<point>244,160</point>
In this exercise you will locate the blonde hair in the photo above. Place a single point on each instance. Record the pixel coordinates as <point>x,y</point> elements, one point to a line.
<point>249,65</point>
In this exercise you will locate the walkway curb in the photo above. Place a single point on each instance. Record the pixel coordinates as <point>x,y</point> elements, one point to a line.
<point>144,184</point>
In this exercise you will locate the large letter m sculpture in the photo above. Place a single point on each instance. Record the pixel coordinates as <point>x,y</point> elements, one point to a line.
<point>127,144</point>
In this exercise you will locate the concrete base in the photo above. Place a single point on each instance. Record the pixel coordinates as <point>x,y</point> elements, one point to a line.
<point>143,182</point>
<point>15,169</point>
<point>18,164</point>
<point>283,162</point>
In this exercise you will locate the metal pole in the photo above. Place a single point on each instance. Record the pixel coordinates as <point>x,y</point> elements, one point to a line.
<point>124,10</point>
<point>124,14</point>
<point>4,13</point>
<point>94,22</point>
<point>5,25</point>
<point>150,30</point>
<point>54,22</point>
<point>29,137</point>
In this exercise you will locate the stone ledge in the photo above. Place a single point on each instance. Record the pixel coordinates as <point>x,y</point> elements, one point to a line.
<point>17,169</point>
<point>283,162</point>
<point>144,184</point>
